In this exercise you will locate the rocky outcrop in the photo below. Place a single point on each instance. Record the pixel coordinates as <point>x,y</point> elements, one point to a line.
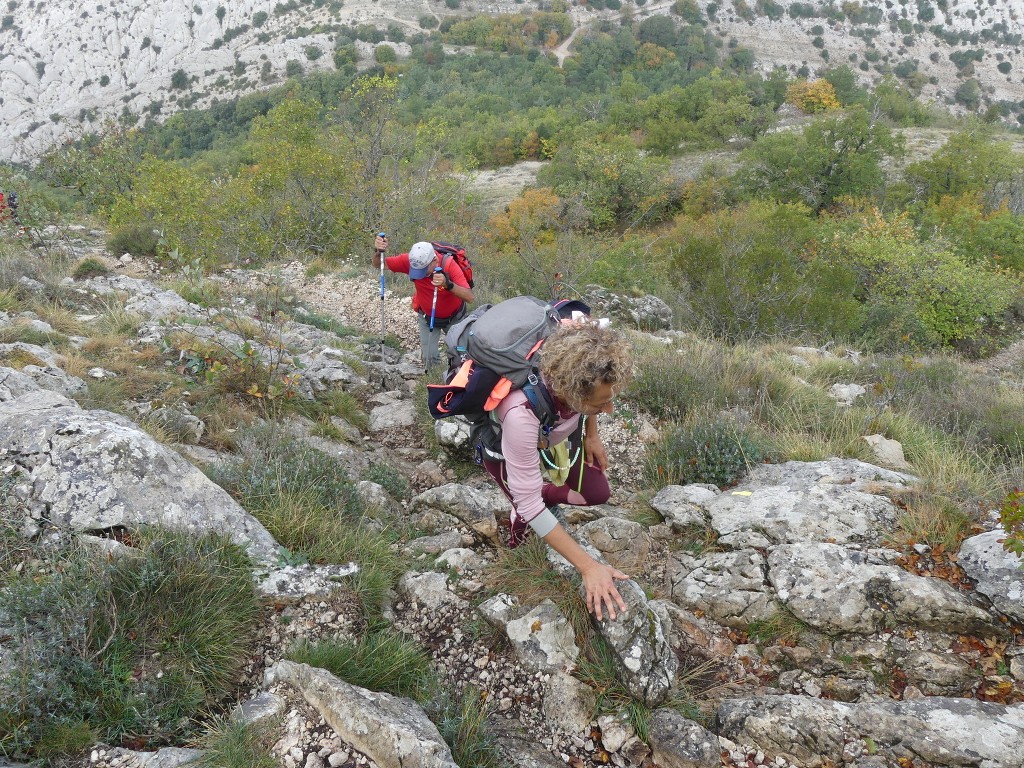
<point>939,731</point>
<point>391,731</point>
<point>94,470</point>
<point>839,590</point>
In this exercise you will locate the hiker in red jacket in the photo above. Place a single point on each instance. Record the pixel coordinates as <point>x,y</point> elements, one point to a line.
<point>441,292</point>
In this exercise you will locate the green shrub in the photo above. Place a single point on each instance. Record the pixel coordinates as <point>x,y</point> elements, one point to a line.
<point>137,647</point>
<point>136,239</point>
<point>385,54</point>
<point>390,479</point>
<point>716,453</point>
<point>1011,516</point>
<point>90,267</point>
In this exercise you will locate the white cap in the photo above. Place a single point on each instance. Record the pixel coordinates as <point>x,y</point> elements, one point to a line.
<point>421,256</point>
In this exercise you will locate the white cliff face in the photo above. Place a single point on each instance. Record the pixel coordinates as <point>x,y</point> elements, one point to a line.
<point>66,65</point>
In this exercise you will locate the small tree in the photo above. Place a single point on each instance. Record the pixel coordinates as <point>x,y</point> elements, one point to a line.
<point>385,54</point>
<point>969,94</point>
<point>817,96</point>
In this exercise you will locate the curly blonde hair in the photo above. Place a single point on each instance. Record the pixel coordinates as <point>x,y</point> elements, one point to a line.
<point>579,356</point>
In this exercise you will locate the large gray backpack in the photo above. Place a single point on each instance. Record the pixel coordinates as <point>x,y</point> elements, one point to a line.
<point>491,352</point>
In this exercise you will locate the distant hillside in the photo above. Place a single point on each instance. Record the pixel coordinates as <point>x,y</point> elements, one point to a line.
<point>65,67</point>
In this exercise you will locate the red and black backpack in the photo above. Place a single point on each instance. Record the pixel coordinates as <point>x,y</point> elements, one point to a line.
<point>448,251</point>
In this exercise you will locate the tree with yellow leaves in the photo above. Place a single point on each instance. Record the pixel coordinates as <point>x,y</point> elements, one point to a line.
<point>809,97</point>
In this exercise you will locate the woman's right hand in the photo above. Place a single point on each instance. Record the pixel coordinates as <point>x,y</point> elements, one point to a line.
<point>380,243</point>
<point>599,581</point>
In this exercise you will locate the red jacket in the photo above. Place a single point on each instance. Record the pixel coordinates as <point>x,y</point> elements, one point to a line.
<point>447,302</point>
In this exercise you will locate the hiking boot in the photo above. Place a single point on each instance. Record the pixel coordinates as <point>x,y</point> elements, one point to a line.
<point>559,513</point>
<point>518,530</point>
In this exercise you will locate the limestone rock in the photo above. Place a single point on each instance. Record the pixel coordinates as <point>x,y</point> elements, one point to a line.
<point>477,509</point>
<point>839,590</point>
<point>623,543</point>
<point>291,583</point>
<point>940,731</point>
<point>677,742</point>
<point>569,704</point>
<point>429,590</point>
<point>1000,574</point>
<point>796,501</point>
<point>889,452</point>
<point>543,639</point>
<point>261,707</point>
<point>728,587</point>
<point>391,731</point>
<point>94,470</point>
<point>683,506</point>
<point>645,662</point>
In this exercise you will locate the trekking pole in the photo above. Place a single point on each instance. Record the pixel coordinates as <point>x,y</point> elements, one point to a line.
<point>381,255</point>
<point>433,304</point>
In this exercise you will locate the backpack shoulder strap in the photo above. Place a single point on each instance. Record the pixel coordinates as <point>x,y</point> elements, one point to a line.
<point>539,400</point>
<point>446,258</point>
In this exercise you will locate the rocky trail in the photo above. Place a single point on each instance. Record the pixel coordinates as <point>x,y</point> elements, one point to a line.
<point>797,632</point>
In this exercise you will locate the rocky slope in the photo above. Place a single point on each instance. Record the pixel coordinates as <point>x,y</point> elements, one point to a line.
<point>902,657</point>
<point>66,66</point>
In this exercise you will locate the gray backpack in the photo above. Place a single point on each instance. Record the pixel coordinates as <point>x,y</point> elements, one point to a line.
<point>491,352</point>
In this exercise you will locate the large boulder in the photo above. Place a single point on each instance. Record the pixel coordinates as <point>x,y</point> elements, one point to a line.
<point>835,589</point>
<point>936,730</point>
<point>391,731</point>
<point>93,470</point>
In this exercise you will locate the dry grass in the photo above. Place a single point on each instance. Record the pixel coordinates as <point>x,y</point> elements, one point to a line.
<point>63,320</point>
<point>19,358</point>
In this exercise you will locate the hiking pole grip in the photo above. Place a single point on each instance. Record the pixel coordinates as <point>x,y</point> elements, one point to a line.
<point>433,304</point>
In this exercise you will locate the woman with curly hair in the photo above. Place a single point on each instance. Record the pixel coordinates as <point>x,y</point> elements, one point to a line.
<point>583,367</point>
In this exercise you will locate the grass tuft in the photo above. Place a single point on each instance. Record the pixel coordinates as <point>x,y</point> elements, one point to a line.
<point>131,650</point>
<point>230,744</point>
<point>380,660</point>
<point>463,725</point>
<point>90,267</point>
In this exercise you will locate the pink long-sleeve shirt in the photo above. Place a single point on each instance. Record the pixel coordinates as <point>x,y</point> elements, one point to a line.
<point>519,431</point>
